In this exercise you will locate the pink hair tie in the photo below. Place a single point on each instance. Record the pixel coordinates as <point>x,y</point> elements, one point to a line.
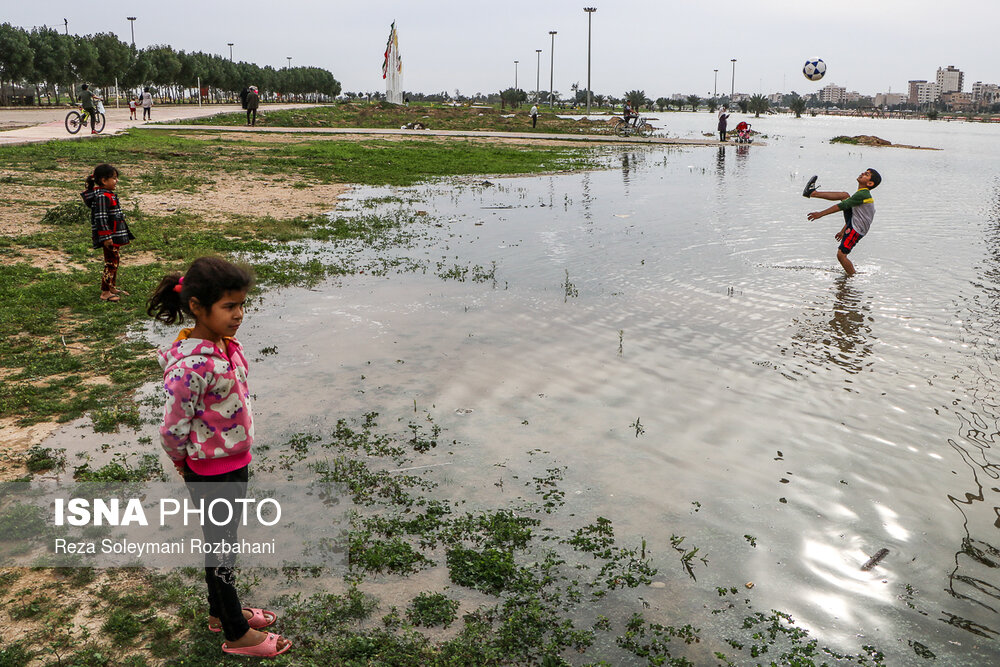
<point>179,285</point>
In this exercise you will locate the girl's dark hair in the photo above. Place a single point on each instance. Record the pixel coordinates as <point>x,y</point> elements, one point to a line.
<point>101,172</point>
<point>207,279</point>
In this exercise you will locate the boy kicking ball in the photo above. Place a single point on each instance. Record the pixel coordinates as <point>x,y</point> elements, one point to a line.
<point>859,210</point>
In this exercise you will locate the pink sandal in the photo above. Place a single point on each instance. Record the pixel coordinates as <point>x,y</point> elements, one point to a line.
<point>257,620</point>
<point>266,649</point>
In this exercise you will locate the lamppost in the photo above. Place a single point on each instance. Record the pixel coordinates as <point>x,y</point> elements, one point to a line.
<point>289,61</point>
<point>230,45</point>
<point>552,62</point>
<point>590,13</point>
<point>715,86</point>
<point>131,22</point>
<point>515,73</point>
<point>538,71</point>
<point>732,86</point>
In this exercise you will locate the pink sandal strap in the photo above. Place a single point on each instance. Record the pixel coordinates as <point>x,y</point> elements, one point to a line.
<point>266,649</point>
<point>259,618</point>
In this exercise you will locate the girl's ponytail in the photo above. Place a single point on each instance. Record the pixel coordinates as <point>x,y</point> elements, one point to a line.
<point>206,280</point>
<point>166,304</point>
<point>101,172</point>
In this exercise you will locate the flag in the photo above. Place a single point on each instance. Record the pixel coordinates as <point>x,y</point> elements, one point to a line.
<point>388,47</point>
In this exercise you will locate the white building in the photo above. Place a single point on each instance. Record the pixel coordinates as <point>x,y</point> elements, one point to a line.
<point>833,93</point>
<point>926,92</point>
<point>950,79</point>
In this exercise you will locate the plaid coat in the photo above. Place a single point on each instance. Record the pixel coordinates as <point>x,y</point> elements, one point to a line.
<point>107,221</point>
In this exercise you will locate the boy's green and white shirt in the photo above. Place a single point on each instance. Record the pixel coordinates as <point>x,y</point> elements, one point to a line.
<point>859,210</point>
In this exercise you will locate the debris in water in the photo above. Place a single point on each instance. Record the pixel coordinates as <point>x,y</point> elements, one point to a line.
<point>875,560</point>
<point>463,411</point>
<point>748,585</point>
<point>623,215</point>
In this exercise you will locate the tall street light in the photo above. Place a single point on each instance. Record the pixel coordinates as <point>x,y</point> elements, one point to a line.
<point>732,86</point>
<point>230,45</point>
<point>131,22</point>
<point>715,86</point>
<point>515,73</point>
<point>289,61</point>
<point>552,62</point>
<point>538,71</point>
<point>590,13</point>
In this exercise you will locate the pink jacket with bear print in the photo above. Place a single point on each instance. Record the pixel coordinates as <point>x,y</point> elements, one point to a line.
<point>207,419</point>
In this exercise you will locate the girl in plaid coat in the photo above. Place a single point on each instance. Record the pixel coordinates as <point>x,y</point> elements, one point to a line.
<point>107,225</point>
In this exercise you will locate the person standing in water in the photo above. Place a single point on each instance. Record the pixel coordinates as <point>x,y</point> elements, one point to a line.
<point>859,211</point>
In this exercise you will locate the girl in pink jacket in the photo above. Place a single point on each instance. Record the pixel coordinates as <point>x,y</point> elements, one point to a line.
<point>208,426</point>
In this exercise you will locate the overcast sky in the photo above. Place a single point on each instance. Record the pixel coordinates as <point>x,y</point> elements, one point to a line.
<point>659,46</point>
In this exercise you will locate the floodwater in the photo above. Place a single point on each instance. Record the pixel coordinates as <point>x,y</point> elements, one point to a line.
<point>676,333</point>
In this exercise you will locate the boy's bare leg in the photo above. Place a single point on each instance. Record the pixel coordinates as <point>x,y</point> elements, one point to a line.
<point>831,196</point>
<point>845,262</point>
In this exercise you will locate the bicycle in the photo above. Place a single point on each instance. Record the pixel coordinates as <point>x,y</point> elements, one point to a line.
<point>641,127</point>
<point>78,118</point>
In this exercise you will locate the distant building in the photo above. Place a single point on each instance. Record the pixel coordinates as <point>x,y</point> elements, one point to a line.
<point>833,93</point>
<point>985,93</point>
<point>890,99</point>
<point>950,79</point>
<point>924,92</point>
<point>957,101</point>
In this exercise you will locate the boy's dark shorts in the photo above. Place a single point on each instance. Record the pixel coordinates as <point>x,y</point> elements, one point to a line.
<point>850,240</point>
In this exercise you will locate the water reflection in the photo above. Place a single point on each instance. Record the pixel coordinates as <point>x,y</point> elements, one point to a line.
<point>840,335</point>
<point>973,578</point>
<point>720,161</point>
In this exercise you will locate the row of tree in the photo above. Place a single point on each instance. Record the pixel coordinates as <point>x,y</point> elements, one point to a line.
<point>52,62</point>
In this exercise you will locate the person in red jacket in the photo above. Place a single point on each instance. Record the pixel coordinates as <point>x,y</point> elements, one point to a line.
<point>108,228</point>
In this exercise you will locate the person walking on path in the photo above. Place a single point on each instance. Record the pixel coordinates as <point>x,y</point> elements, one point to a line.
<point>131,109</point>
<point>208,430</point>
<point>108,228</point>
<point>147,105</point>
<point>253,101</point>
<point>534,114</point>
<point>723,117</point>
<point>859,211</point>
<point>89,103</point>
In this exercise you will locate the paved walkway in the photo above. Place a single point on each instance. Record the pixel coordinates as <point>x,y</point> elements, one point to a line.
<point>606,138</point>
<point>48,124</point>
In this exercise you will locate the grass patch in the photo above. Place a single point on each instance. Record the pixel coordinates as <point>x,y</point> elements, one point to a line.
<point>389,116</point>
<point>58,334</point>
<point>432,609</point>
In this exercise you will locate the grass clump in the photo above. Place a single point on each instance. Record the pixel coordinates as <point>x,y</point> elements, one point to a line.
<point>432,609</point>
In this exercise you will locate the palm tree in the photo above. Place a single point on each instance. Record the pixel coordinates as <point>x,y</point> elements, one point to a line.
<point>713,104</point>
<point>797,105</point>
<point>694,101</point>
<point>637,98</point>
<point>758,103</point>
<point>661,103</point>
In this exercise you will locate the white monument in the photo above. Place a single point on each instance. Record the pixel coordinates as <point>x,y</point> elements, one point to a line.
<point>392,68</point>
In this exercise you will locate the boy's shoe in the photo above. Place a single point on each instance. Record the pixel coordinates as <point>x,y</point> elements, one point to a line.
<point>810,187</point>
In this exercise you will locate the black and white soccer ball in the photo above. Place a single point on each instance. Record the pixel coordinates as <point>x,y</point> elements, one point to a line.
<point>814,69</point>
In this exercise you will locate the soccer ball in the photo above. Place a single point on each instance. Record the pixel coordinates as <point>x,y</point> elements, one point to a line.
<point>814,69</point>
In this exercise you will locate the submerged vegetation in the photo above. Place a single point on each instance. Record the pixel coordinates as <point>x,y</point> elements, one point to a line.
<point>529,582</point>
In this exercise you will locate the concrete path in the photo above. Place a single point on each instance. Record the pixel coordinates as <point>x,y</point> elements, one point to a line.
<point>605,138</point>
<point>48,124</point>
